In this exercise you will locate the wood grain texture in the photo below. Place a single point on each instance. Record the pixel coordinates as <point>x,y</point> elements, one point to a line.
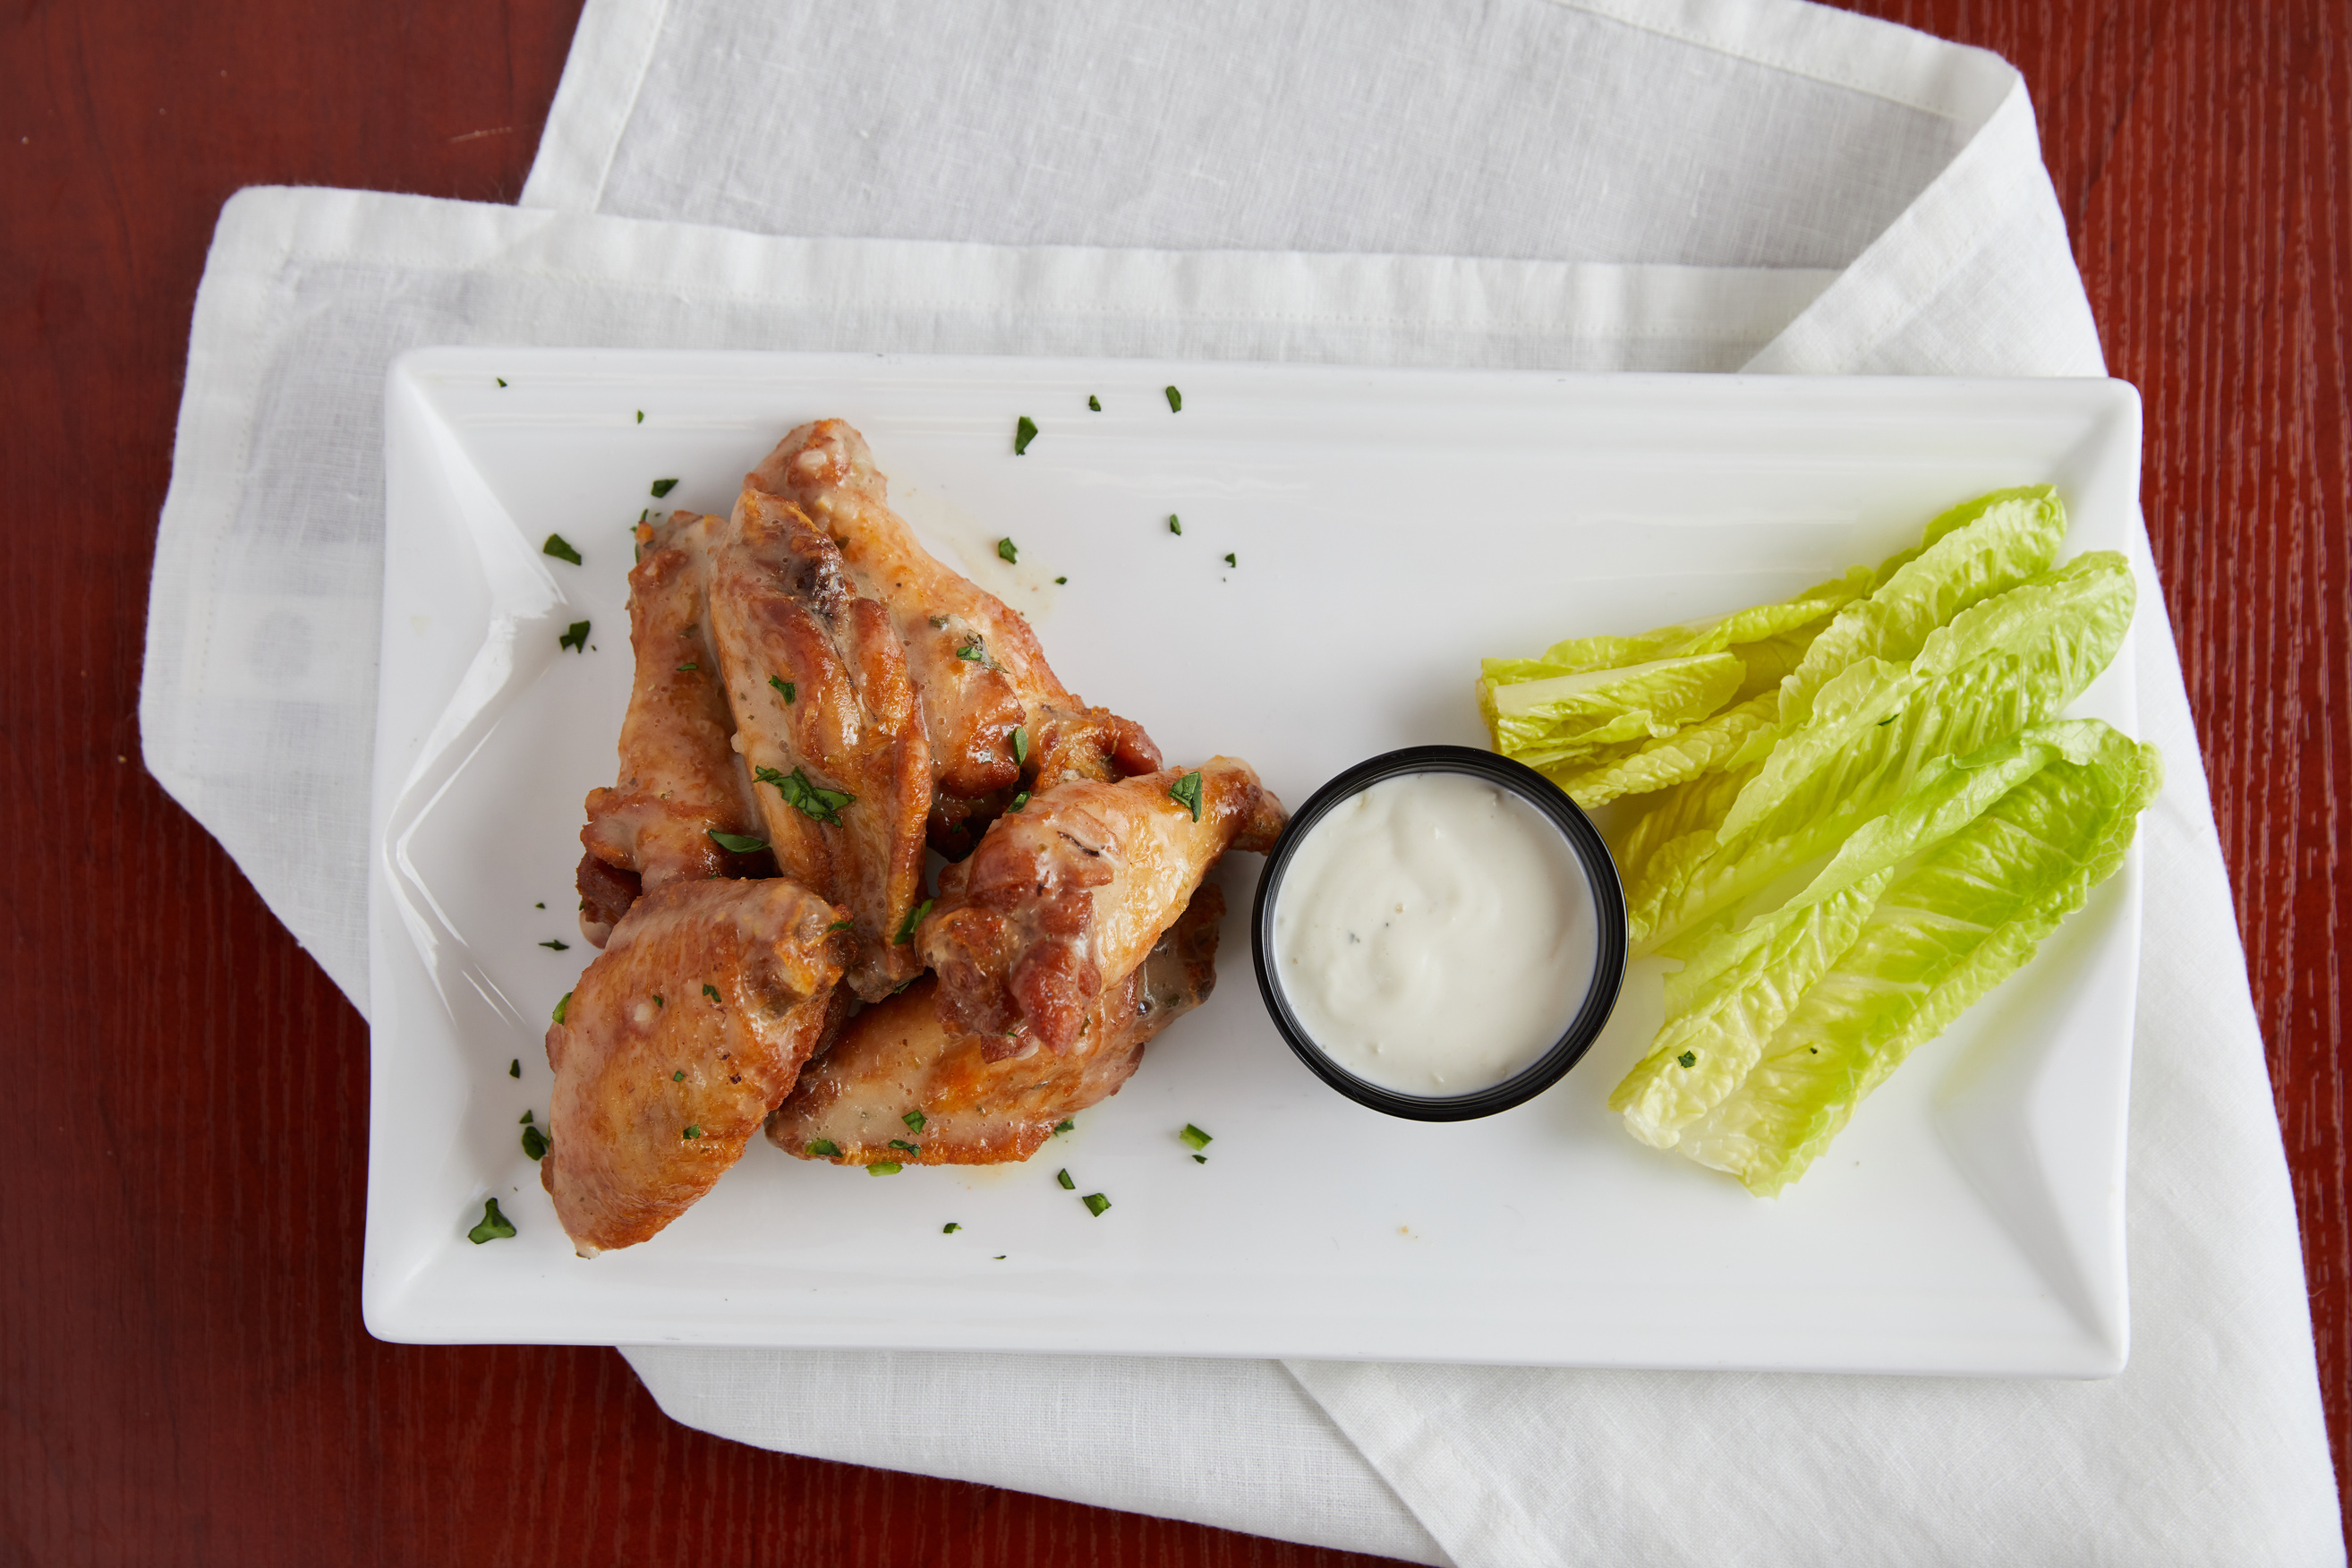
<point>183,1376</point>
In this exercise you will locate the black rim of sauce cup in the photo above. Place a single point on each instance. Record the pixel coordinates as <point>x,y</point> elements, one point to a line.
<point>1608,900</point>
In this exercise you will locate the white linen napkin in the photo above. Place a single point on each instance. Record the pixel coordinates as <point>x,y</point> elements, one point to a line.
<point>1795,190</point>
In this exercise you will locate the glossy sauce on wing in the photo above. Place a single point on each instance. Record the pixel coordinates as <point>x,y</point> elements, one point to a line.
<point>1435,934</point>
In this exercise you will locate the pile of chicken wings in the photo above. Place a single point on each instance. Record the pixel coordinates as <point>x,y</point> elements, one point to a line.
<point>816,702</point>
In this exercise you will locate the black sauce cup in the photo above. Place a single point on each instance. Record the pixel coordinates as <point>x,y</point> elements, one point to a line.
<point>1608,901</point>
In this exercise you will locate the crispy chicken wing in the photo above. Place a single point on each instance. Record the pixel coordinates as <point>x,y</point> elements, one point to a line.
<point>1065,895</point>
<point>679,775</point>
<point>899,1060</point>
<point>829,724</point>
<point>683,1034</point>
<point>977,664</point>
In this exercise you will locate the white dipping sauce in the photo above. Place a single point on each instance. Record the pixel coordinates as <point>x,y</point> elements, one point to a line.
<point>1435,934</point>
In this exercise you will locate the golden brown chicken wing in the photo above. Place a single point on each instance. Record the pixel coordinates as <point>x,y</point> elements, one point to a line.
<point>979,667</point>
<point>898,1085</point>
<point>683,1034</point>
<point>826,718</point>
<point>1065,895</point>
<point>679,776</point>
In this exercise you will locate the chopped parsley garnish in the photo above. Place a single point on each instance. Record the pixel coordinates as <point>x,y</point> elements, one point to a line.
<point>737,843</point>
<point>1065,1125</point>
<point>689,665</point>
<point>786,688</point>
<point>1186,792</point>
<point>558,547</point>
<point>663,487</point>
<point>641,415</point>
<point>884,1168</point>
<point>902,1143</point>
<point>711,991</point>
<point>494,1223</point>
<point>1058,581</point>
<point>541,905</point>
<point>557,944</point>
<point>691,1133</point>
<point>576,638</point>
<point>1175,405</point>
<point>1229,559</point>
<point>1008,553</point>
<point>913,918</point>
<point>812,801</point>
<point>679,1077</point>
<point>1688,1058</point>
<point>499,379</point>
<point>823,1149</point>
<point>949,1228</point>
<point>1094,402</point>
<point>839,925</point>
<point>514,1067</point>
<point>915,1119</point>
<point>524,1119</point>
<point>1018,801</point>
<point>1095,1202</point>
<point>973,652</point>
<point>1195,1136</point>
<point>534,1143</point>
<point>1200,1159</point>
<point>657,1000</point>
<point>1023,433</point>
<point>1020,743</point>
<point>1064,1177</point>
<point>1175,524</point>
<point>561,1003</point>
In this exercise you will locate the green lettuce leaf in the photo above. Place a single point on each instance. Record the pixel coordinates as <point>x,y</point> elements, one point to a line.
<point>1968,913</point>
<point>2009,662</point>
<point>1977,550</point>
<point>1731,739</point>
<point>1567,717</point>
<point>1731,996</point>
<point>1758,624</point>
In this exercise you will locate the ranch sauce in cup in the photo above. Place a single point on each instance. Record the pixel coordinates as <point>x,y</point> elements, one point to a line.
<point>1435,933</point>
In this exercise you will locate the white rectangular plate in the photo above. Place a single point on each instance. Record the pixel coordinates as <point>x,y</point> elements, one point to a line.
<point>1388,528</point>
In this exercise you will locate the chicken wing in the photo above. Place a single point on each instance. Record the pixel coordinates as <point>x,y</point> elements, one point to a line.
<point>900,1086</point>
<point>683,1034</point>
<point>1065,895</point>
<point>826,718</point>
<point>679,776</point>
<point>979,667</point>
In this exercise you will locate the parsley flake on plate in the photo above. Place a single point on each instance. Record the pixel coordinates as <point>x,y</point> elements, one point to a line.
<point>663,487</point>
<point>1096,1204</point>
<point>560,549</point>
<point>494,1225</point>
<point>1023,432</point>
<point>576,639</point>
<point>1008,553</point>
<point>1175,405</point>
<point>534,1143</point>
<point>884,1168</point>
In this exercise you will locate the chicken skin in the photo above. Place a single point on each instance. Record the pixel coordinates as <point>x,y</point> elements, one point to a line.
<point>679,1039</point>
<point>899,1060</point>
<point>679,776</point>
<point>828,723</point>
<point>1065,895</point>
<point>999,719</point>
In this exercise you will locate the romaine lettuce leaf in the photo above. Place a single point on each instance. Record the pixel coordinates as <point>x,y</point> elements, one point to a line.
<point>2012,662</point>
<point>1728,1002</point>
<point>1977,550</point>
<point>1967,915</point>
<point>1760,622</point>
<point>1737,736</point>
<point>1567,717</point>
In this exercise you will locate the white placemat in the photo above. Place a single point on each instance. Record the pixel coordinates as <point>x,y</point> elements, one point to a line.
<point>1795,189</point>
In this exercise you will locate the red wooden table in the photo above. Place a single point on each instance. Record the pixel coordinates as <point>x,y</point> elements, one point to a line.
<point>183,1376</point>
